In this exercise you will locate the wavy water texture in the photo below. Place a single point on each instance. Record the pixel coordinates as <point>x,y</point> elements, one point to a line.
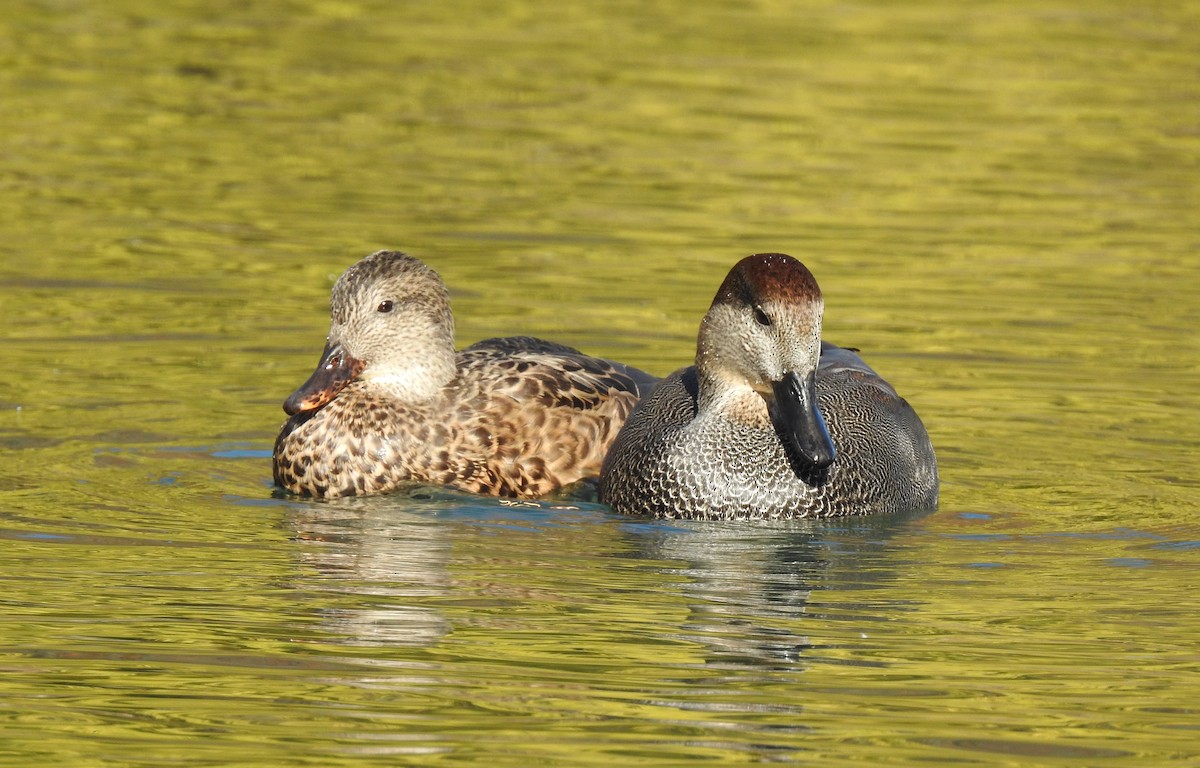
<point>998,199</point>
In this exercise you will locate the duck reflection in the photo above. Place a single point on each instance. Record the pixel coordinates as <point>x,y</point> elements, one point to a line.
<point>401,570</point>
<point>407,563</point>
<point>747,583</point>
<point>388,555</point>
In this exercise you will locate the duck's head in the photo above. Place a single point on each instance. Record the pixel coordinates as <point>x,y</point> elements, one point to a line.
<point>763,332</point>
<point>390,327</point>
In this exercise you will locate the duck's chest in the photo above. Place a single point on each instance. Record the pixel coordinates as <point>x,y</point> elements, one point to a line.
<point>354,448</point>
<point>740,470</point>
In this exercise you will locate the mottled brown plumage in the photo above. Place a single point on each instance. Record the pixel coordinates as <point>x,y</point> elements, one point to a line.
<point>770,422</point>
<point>392,402</point>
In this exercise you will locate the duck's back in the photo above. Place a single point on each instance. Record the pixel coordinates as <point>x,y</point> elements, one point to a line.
<point>670,461</point>
<point>887,458</point>
<point>551,413</point>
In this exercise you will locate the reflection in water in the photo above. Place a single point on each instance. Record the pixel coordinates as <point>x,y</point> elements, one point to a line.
<point>749,584</point>
<point>676,620</point>
<point>744,585</point>
<point>388,552</point>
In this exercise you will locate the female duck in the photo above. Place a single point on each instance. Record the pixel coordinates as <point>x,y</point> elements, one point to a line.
<point>391,402</point>
<point>770,422</point>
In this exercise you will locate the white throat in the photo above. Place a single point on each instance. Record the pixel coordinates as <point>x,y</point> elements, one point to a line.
<point>412,383</point>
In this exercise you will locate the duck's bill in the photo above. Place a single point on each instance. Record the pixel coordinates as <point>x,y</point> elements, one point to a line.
<point>798,420</point>
<point>334,372</point>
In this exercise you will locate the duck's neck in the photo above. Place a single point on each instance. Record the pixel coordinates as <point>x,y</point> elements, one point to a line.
<point>733,400</point>
<point>414,382</point>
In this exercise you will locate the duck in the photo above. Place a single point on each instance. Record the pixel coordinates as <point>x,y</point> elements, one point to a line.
<point>770,422</point>
<point>392,403</point>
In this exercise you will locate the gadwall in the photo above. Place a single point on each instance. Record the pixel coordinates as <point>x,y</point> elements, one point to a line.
<point>770,422</point>
<point>392,403</point>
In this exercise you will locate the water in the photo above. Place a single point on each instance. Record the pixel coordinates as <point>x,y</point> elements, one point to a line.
<point>999,200</point>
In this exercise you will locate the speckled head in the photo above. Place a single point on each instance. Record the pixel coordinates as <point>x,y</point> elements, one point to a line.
<point>381,272</point>
<point>764,321</point>
<point>763,333</point>
<point>390,326</point>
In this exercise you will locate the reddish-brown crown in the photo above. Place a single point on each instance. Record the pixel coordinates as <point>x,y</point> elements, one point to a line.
<point>768,277</point>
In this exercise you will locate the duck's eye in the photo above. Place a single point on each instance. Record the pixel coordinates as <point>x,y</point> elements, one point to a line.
<point>761,316</point>
<point>385,306</point>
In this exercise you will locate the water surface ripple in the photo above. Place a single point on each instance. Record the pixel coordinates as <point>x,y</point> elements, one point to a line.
<point>999,201</point>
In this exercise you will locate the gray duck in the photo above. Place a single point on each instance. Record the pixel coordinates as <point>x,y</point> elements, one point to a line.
<point>770,422</point>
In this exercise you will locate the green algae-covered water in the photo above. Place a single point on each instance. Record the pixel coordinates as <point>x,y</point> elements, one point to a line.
<point>1000,200</point>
